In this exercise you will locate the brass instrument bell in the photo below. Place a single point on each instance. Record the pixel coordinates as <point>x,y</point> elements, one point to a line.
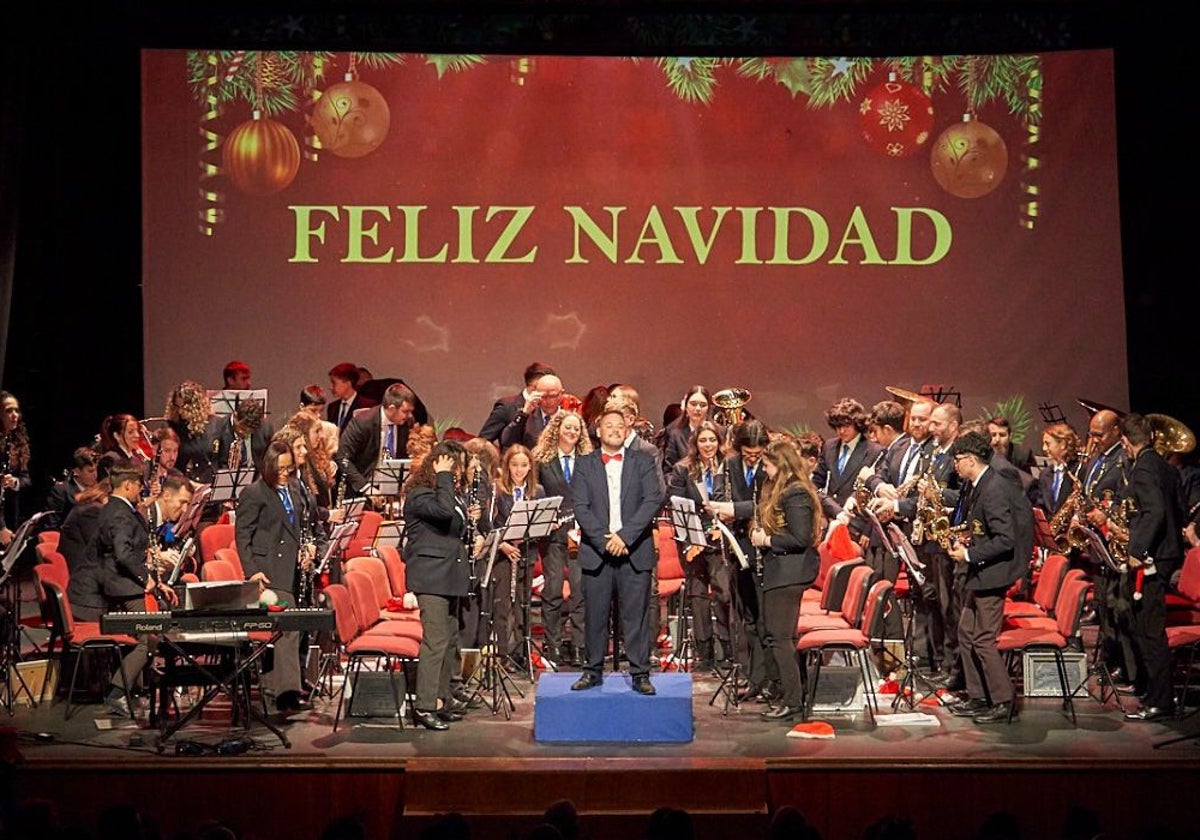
<point>1091,407</point>
<point>730,401</point>
<point>1171,436</point>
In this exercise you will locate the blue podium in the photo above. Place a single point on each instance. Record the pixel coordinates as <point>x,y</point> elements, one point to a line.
<point>613,712</point>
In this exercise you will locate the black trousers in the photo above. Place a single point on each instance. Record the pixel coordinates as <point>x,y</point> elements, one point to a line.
<point>780,611</point>
<point>1150,647</point>
<point>978,627</point>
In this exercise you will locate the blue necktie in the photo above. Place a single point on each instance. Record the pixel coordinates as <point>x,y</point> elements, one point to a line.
<point>517,494</point>
<point>566,465</point>
<point>708,485</point>
<point>749,476</point>
<point>844,457</point>
<point>1057,484</point>
<point>1094,473</point>
<point>390,444</point>
<point>287,504</point>
<point>912,450</point>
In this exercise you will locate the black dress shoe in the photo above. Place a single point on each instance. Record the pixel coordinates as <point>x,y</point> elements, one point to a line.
<point>950,682</point>
<point>970,707</point>
<point>642,685</point>
<point>770,694</point>
<point>782,713</point>
<point>750,692</point>
<point>999,713</point>
<point>588,680</point>
<point>429,720</point>
<point>470,698</point>
<point>1149,713</point>
<point>449,714</point>
<point>457,706</point>
<point>553,653</point>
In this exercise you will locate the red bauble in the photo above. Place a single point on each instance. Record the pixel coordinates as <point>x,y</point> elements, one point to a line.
<point>969,159</point>
<point>895,118</point>
<point>351,118</point>
<point>261,156</point>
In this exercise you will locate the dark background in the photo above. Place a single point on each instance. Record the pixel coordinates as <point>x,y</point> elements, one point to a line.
<point>70,162</point>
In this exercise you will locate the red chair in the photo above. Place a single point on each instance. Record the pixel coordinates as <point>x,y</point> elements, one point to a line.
<point>52,557</point>
<point>79,638</point>
<point>1048,621</point>
<point>814,646</point>
<point>833,591</point>
<point>213,537</point>
<point>364,537</point>
<point>375,569</point>
<point>1183,605</point>
<point>365,601</point>
<point>217,569</point>
<point>1045,592</point>
<point>670,568</point>
<point>395,569</point>
<point>383,652</point>
<point>230,556</point>
<point>1019,640</point>
<point>854,600</point>
<point>48,537</point>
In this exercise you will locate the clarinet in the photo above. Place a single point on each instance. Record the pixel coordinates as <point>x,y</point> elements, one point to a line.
<point>472,529</point>
<point>307,549</point>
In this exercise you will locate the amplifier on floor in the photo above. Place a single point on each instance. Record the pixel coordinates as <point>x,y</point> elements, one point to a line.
<point>370,694</point>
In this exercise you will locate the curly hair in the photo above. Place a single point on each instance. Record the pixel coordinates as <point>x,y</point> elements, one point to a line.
<point>424,475</point>
<point>847,412</point>
<point>17,440</point>
<point>188,403</point>
<point>546,448</point>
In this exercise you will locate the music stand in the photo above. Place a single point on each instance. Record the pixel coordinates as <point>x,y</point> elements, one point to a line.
<point>688,531</point>
<point>225,401</point>
<point>227,485</point>
<point>490,673</point>
<point>388,476</point>
<point>530,520</point>
<point>1100,554</point>
<point>389,533</point>
<point>10,616</point>
<point>353,509</point>
<point>190,518</point>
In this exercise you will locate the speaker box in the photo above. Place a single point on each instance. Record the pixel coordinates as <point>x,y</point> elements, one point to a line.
<point>371,695</point>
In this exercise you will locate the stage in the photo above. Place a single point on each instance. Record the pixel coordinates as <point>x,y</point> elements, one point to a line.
<point>735,772</point>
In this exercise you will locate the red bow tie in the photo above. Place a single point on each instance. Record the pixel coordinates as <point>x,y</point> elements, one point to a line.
<point>605,457</point>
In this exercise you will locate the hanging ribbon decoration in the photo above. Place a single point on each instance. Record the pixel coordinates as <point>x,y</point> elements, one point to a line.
<point>210,213</point>
<point>311,145</point>
<point>1029,187</point>
<point>927,74</point>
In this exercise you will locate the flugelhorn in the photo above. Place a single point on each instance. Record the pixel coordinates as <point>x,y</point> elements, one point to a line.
<point>730,401</point>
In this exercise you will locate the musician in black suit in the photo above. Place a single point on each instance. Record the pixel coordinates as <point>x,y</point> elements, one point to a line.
<point>944,578</point>
<point>1019,455</point>
<point>842,457</point>
<point>276,542</point>
<point>63,494</point>
<point>243,437</point>
<point>885,426</point>
<point>375,434</point>
<point>999,522</point>
<point>744,468</point>
<point>557,455</point>
<point>14,465</point>
<point>438,572</point>
<point>617,493</point>
<point>189,414</point>
<point>527,423</point>
<point>788,530</point>
<point>1104,481</point>
<point>677,435</point>
<point>77,545</point>
<point>1155,553</point>
<point>122,549</point>
<point>701,476</point>
<point>505,409</point>
<point>1057,480</point>
<point>346,400</point>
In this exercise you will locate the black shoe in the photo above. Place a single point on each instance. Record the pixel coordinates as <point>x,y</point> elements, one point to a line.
<point>472,700</point>
<point>969,708</point>
<point>588,680</point>
<point>449,714</point>
<point>1149,713</point>
<point>429,720</point>
<point>578,660</point>
<point>642,685</point>
<point>950,682</point>
<point>1000,713</point>
<point>553,653</point>
<point>117,706</point>
<point>291,701</point>
<point>771,694</point>
<point>782,713</point>
<point>457,706</point>
<point>750,692</point>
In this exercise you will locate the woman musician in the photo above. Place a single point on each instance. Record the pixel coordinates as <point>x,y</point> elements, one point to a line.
<point>1060,444</point>
<point>438,573</point>
<point>509,584</point>
<point>557,454</point>
<point>277,547</point>
<point>788,531</point>
<point>701,477</point>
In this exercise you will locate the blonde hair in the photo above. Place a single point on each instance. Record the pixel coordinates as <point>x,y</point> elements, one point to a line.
<point>546,448</point>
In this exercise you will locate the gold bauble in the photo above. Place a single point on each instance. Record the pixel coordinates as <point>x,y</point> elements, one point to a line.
<point>351,118</point>
<point>261,156</point>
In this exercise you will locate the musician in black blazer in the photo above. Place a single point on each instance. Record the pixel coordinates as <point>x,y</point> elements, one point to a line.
<point>438,572</point>
<point>788,530</point>
<point>245,427</point>
<point>505,409</point>
<point>61,498</point>
<point>999,522</point>
<point>542,403</point>
<point>617,493</point>
<point>842,457</point>
<point>1056,481</point>
<point>677,435</point>
<point>360,448</point>
<point>276,543</point>
<point>557,455</point>
<point>346,400</point>
<point>123,541</point>
<point>1155,552</point>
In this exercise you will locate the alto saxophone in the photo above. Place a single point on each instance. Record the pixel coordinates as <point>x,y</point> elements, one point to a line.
<point>930,521</point>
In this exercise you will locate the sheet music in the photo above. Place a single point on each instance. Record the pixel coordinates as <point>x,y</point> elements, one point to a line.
<point>225,401</point>
<point>688,527</point>
<point>532,519</point>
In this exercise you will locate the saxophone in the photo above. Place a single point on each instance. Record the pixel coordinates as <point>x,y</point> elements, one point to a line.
<point>1067,533</point>
<point>930,521</point>
<point>154,569</point>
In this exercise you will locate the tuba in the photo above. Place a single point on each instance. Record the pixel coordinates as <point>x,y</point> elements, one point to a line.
<point>730,402</point>
<point>1171,436</point>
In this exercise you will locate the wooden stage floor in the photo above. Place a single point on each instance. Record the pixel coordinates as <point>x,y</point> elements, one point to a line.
<point>731,777</point>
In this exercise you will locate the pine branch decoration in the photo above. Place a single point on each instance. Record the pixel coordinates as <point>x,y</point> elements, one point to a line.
<point>453,63</point>
<point>692,79</point>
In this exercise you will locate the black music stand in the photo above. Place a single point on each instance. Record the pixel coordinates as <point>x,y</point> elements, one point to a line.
<point>388,476</point>
<point>227,485</point>
<point>190,519</point>
<point>490,675</point>
<point>335,549</point>
<point>10,616</point>
<point>1100,554</point>
<point>390,533</point>
<point>531,520</point>
<point>688,532</point>
<point>225,401</point>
